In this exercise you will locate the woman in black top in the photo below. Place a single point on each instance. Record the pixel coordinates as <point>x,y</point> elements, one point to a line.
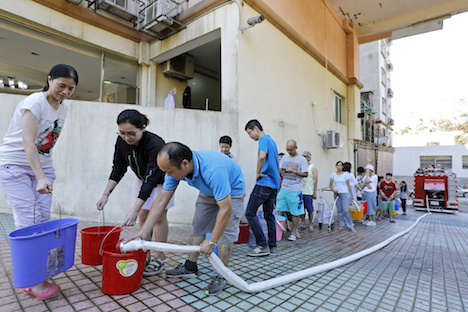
<point>138,148</point>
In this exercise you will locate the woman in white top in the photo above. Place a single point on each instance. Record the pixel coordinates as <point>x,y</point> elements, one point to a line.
<point>26,170</point>
<point>339,184</point>
<point>370,194</point>
<point>352,179</point>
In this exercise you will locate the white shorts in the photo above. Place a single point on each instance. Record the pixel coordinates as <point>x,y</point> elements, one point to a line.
<point>156,191</point>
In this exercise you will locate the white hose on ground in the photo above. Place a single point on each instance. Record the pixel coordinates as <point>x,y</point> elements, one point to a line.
<point>238,282</point>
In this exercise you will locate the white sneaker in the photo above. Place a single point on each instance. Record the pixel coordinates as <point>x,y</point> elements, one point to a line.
<point>292,237</point>
<point>371,223</point>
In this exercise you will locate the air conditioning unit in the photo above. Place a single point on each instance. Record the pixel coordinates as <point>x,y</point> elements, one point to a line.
<point>127,9</point>
<point>390,121</point>
<point>389,92</point>
<point>181,67</point>
<point>159,14</point>
<point>389,66</point>
<point>332,139</point>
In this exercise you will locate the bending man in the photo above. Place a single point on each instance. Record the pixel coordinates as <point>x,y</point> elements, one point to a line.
<point>218,208</point>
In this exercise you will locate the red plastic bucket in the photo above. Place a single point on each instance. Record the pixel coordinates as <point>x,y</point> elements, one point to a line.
<point>243,234</point>
<point>91,240</point>
<point>122,273</point>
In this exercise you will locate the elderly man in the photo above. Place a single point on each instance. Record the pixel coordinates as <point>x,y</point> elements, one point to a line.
<point>294,167</point>
<point>218,208</point>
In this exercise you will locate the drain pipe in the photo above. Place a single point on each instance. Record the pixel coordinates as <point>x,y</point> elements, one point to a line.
<point>241,284</point>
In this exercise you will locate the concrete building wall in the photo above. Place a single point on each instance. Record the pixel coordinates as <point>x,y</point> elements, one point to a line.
<point>269,62</point>
<point>265,75</point>
<point>407,161</point>
<point>83,154</point>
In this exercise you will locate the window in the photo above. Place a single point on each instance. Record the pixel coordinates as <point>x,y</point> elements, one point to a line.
<point>465,162</point>
<point>337,108</point>
<point>120,80</point>
<point>383,76</point>
<point>383,47</point>
<point>384,107</point>
<point>436,161</point>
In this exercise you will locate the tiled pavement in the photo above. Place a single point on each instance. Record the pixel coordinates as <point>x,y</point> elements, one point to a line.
<point>424,270</point>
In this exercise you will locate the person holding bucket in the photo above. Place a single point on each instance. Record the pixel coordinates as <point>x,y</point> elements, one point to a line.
<point>138,148</point>
<point>26,170</point>
<point>218,208</point>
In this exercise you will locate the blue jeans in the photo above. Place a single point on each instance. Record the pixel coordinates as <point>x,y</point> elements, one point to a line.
<point>342,209</point>
<point>262,195</point>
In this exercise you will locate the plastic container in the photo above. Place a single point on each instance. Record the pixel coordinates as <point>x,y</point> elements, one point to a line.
<point>41,251</point>
<point>357,215</point>
<point>263,223</point>
<point>252,240</point>
<point>397,205</point>
<point>279,227</point>
<point>243,233</point>
<point>122,273</point>
<point>364,204</point>
<point>91,242</point>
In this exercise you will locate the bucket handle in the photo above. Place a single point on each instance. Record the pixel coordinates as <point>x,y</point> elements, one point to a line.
<point>281,226</point>
<point>57,235</point>
<point>101,216</point>
<point>104,239</point>
<point>357,206</point>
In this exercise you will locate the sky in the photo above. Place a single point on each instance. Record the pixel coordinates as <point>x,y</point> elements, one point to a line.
<point>430,76</point>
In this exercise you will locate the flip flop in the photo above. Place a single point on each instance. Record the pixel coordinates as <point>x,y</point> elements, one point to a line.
<point>156,265</point>
<point>51,291</point>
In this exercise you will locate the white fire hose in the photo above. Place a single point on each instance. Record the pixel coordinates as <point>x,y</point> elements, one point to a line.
<point>238,282</point>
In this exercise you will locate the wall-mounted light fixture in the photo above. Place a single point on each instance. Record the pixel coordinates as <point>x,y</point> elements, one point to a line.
<point>12,83</point>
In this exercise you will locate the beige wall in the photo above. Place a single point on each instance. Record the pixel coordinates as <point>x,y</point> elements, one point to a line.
<point>264,75</point>
<point>83,155</point>
<point>278,81</point>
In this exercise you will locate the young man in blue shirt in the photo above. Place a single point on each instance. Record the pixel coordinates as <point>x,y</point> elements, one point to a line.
<point>218,208</point>
<point>264,192</point>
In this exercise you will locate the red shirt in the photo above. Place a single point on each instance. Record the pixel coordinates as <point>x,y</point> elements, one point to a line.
<point>387,188</point>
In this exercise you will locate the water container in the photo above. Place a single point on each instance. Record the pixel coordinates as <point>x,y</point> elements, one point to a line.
<point>252,241</point>
<point>264,226</point>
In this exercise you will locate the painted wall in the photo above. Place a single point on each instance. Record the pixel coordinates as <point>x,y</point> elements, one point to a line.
<point>264,75</point>
<point>83,155</point>
<point>316,24</point>
<point>69,27</point>
<point>278,81</point>
<point>406,159</point>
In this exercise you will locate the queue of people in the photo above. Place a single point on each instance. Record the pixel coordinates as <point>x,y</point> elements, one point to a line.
<point>286,185</point>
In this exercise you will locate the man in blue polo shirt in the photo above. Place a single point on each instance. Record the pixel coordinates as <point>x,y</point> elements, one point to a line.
<point>218,208</point>
<point>264,192</point>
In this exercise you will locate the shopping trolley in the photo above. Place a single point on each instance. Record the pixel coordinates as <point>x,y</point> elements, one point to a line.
<point>325,213</point>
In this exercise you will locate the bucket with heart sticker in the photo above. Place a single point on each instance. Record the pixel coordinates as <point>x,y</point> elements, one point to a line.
<point>121,273</point>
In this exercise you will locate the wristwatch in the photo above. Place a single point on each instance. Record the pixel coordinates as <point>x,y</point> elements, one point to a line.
<point>213,245</point>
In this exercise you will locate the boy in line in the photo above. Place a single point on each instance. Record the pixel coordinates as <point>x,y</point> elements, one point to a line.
<point>387,192</point>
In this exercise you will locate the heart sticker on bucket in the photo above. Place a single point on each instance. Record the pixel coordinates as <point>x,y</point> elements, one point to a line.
<point>127,267</point>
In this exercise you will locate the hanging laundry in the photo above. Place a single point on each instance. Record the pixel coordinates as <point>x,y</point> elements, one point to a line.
<point>169,102</point>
